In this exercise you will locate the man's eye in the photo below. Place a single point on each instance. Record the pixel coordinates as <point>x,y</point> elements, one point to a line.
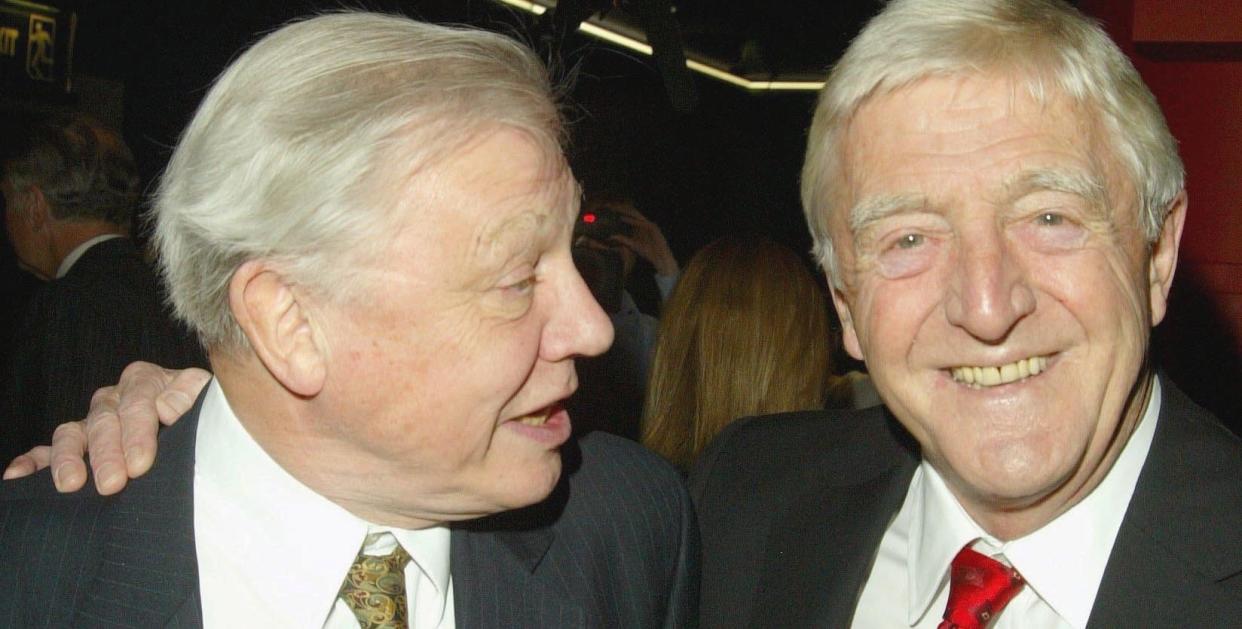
<point>910,241</point>
<point>1050,219</point>
<point>524,286</point>
<point>1052,231</point>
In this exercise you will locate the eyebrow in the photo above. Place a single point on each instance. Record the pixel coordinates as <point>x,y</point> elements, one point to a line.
<point>869,211</point>
<point>1075,182</point>
<point>511,234</point>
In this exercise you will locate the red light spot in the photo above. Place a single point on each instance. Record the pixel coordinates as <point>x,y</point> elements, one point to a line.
<point>588,218</point>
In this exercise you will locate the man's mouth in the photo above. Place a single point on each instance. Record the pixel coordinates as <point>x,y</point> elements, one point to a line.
<point>548,425</point>
<point>538,418</point>
<point>983,377</point>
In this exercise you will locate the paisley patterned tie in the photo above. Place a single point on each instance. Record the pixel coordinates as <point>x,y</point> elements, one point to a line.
<point>375,590</point>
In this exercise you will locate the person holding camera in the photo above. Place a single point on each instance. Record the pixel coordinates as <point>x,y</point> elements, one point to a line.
<point>612,241</point>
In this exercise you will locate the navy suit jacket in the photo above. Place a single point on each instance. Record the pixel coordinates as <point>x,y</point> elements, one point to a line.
<point>792,509</point>
<point>615,545</point>
<point>77,335</point>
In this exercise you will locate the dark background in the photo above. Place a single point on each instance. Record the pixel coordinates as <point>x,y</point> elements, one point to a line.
<point>727,165</point>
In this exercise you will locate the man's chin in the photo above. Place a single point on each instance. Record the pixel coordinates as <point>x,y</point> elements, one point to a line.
<point>1009,491</point>
<point>532,485</point>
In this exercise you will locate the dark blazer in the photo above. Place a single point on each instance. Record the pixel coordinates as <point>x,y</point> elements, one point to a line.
<point>77,334</point>
<point>792,509</point>
<point>616,545</point>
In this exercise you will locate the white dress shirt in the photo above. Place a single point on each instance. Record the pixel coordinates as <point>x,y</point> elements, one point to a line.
<point>1062,562</point>
<point>273,553</point>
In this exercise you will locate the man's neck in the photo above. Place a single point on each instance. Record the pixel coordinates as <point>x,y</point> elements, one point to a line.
<point>71,234</point>
<point>291,431</point>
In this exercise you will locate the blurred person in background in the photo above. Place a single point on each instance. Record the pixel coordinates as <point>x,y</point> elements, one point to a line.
<point>745,332</point>
<point>70,189</point>
<point>627,263</point>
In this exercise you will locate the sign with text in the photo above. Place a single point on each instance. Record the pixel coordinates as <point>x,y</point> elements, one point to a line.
<point>36,46</point>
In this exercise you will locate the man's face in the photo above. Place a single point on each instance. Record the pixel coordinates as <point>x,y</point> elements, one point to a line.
<point>455,363</point>
<point>994,237</point>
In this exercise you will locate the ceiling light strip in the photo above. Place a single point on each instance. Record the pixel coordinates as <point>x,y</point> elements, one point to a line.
<point>530,7</point>
<point>600,32</point>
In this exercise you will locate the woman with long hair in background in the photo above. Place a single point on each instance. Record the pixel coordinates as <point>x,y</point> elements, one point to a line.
<point>744,332</point>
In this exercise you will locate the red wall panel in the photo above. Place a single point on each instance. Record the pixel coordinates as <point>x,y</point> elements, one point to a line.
<point>1201,21</point>
<point>1190,55</point>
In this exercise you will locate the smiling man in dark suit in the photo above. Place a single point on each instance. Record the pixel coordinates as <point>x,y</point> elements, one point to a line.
<point>997,201</point>
<point>368,224</point>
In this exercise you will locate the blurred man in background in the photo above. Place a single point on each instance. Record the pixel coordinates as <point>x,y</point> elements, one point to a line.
<point>70,190</point>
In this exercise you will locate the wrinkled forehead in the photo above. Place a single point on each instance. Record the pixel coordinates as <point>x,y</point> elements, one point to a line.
<point>422,166</point>
<point>503,185</point>
<point>956,102</point>
<point>514,164</point>
<point>959,116</point>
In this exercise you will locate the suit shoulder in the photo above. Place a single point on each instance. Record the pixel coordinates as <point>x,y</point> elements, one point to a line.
<point>35,488</point>
<point>629,525</point>
<point>1194,444</point>
<point>624,470</point>
<point>34,498</point>
<point>618,483</point>
<point>808,428</point>
<point>603,452</point>
<point>47,542</point>
<point>1189,493</point>
<point>843,446</point>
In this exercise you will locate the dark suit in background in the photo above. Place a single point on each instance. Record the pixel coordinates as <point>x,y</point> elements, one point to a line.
<point>78,334</point>
<point>793,508</point>
<point>615,545</point>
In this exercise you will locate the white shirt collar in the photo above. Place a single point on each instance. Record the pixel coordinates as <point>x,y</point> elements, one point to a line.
<point>1063,561</point>
<point>260,515</point>
<point>77,252</point>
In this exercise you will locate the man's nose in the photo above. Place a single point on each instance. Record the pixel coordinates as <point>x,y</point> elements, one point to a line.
<point>577,326</point>
<point>988,293</point>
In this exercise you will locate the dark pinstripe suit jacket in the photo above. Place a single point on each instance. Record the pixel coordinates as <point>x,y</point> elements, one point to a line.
<point>616,545</point>
<point>77,334</point>
<point>793,508</point>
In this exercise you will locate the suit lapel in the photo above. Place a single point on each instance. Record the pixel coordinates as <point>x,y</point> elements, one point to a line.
<point>820,551</point>
<point>821,555</point>
<point>148,574</point>
<point>496,581</point>
<point>1178,541</point>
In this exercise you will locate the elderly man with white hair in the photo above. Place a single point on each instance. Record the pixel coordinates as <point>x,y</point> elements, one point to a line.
<point>368,225</point>
<point>997,201</point>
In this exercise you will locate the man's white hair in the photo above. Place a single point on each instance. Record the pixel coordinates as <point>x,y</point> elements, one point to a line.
<point>300,151</point>
<point>1045,45</point>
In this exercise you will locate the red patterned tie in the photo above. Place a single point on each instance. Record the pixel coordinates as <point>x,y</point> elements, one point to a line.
<point>979,588</point>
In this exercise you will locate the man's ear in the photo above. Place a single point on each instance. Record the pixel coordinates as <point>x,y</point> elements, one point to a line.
<point>1164,258</point>
<point>277,321</point>
<point>35,210</point>
<point>849,336</point>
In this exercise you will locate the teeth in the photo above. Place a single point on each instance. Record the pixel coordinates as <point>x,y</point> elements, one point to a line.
<point>1004,374</point>
<point>534,420</point>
